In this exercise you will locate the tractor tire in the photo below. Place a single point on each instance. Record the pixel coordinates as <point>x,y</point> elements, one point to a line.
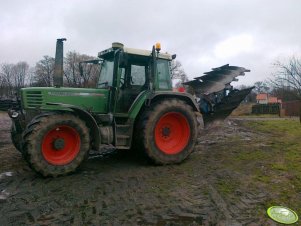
<point>16,138</point>
<point>55,144</point>
<point>168,131</point>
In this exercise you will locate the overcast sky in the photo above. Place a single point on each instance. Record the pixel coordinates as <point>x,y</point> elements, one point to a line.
<point>203,33</point>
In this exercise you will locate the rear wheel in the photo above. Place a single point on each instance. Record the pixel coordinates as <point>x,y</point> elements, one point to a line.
<point>56,144</point>
<point>169,131</point>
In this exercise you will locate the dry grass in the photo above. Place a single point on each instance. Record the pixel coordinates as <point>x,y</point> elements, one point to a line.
<point>243,109</point>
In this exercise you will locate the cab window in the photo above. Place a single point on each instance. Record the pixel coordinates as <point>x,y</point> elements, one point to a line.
<point>163,71</point>
<point>137,75</point>
<point>106,74</point>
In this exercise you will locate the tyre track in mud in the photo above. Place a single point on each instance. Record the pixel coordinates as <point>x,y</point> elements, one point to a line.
<point>93,197</point>
<point>119,189</point>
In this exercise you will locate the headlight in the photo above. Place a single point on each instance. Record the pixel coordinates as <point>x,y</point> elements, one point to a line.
<point>13,114</point>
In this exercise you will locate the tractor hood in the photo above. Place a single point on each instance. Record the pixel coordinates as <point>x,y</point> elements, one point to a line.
<point>94,100</point>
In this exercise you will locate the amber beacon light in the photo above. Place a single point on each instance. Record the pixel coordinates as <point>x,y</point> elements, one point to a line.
<point>158,46</point>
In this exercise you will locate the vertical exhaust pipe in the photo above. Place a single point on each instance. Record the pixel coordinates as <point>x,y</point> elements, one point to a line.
<point>58,64</point>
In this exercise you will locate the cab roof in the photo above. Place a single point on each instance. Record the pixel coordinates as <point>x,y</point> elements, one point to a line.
<point>138,52</point>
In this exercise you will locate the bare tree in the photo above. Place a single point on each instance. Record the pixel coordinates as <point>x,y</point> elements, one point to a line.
<point>288,75</point>
<point>7,74</point>
<point>177,73</point>
<point>90,73</point>
<point>71,71</point>
<point>261,87</point>
<point>44,69</point>
<point>12,78</point>
<point>20,72</point>
<point>44,72</point>
<point>30,79</point>
<point>2,84</point>
<point>284,93</point>
<point>72,74</point>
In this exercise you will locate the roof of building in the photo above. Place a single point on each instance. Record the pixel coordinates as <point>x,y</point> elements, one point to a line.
<point>272,100</point>
<point>262,96</point>
<point>268,98</point>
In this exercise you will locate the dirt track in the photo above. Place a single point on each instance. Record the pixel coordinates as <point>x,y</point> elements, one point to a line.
<point>119,189</point>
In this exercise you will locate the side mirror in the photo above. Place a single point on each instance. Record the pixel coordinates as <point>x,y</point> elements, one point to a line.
<point>123,60</point>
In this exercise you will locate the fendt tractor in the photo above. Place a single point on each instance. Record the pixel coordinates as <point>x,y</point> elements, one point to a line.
<point>133,106</point>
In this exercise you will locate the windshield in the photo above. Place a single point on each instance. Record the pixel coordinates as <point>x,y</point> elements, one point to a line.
<point>106,74</point>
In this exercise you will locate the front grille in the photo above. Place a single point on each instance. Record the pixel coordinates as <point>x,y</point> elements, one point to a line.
<point>34,99</point>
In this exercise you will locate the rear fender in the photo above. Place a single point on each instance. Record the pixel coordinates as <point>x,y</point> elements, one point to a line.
<point>146,99</point>
<point>186,97</point>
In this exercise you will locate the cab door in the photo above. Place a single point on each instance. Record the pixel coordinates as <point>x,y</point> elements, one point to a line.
<point>132,83</point>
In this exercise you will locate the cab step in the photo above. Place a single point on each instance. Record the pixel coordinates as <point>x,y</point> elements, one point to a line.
<point>123,136</point>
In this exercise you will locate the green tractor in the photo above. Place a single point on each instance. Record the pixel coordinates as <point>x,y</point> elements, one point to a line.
<point>133,106</point>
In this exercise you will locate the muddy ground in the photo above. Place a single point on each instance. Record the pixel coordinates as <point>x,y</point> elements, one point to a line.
<point>119,189</point>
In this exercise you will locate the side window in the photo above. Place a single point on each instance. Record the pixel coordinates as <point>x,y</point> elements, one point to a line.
<point>106,74</point>
<point>137,75</point>
<point>164,81</point>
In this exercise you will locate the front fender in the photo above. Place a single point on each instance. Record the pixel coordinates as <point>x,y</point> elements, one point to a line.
<point>88,118</point>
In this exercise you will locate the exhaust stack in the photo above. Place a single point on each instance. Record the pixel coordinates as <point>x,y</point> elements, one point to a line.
<point>58,64</point>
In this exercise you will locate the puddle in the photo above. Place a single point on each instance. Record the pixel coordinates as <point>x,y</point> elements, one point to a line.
<point>3,195</point>
<point>5,174</point>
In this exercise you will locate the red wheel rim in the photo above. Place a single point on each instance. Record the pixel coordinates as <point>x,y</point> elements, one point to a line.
<point>61,145</point>
<point>172,133</point>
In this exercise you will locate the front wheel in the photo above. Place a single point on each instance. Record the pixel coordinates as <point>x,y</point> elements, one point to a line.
<point>169,131</point>
<point>56,144</point>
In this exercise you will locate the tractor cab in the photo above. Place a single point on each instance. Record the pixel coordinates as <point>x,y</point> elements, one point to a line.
<point>128,72</point>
